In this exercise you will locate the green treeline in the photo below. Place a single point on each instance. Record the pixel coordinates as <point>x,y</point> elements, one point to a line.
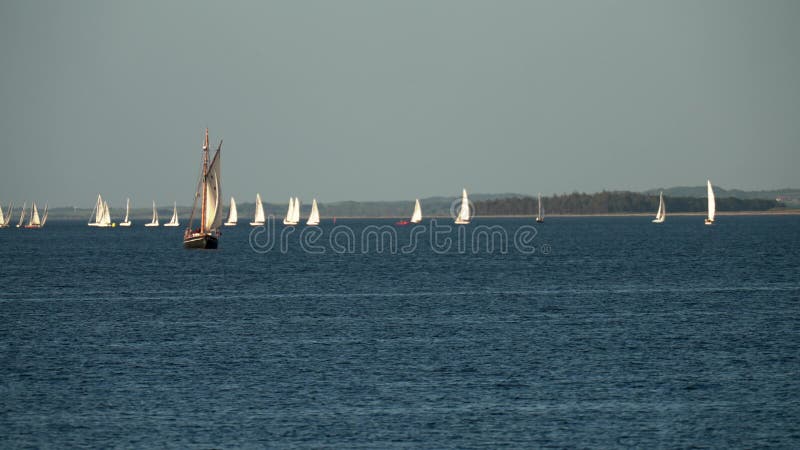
<point>613,202</point>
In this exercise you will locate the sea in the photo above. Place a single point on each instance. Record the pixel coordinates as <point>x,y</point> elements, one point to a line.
<point>589,332</point>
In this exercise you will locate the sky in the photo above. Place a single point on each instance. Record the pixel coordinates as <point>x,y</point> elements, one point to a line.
<point>391,100</point>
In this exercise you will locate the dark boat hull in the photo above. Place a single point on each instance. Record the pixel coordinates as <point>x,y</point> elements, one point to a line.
<point>206,241</point>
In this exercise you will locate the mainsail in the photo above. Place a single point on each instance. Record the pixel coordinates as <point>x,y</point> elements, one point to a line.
<point>313,219</point>
<point>233,216</point>
<point>296,212</point>
<point>416,217</point>
<point>213,190</point>
<point>661,214</point>
<point>34,220</point>
<point>712,204</point>
<point>463,213</point>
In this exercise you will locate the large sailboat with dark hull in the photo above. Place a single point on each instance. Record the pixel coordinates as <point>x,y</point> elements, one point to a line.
<point>209,192</point>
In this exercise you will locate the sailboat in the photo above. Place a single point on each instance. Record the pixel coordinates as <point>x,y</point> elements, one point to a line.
<point>258,217</point>
<point>463,212</point>
<point>233,216</point>
<point>661,214</point>
<point>5,219</point>
<point>416,216</point>
<point>127,221</point>
<point>101,213</point>
<point>173,222</point>
<point>540,214</point>
<point>210,192</point>
<point>22,214</point>
<point>34,221</point>
<point>154,221</point>
<point>313,219</point>
<point>293,213</point>
<point>712,204</point>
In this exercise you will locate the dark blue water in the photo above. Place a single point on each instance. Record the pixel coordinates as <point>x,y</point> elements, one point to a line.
<point>612,332</point>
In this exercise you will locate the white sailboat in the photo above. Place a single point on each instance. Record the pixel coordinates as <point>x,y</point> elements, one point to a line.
<point>233,216</point>
<point>712,205</point>
<point>540,214</point>
<point>127,221</point>
<point>258,219</point>
<point>173,222</point>
<point>416,216</point>
<point>101,213</point>
<point>661,214</point>
<point>22,214</point>
<point>154,221</point>
<point>293,213</point>
<point>313,219</point>
<point>35,221</point>
<point>463,212</point>
<point>5,219</point>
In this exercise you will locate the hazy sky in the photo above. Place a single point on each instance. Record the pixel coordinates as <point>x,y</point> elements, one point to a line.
<point>375,99</point>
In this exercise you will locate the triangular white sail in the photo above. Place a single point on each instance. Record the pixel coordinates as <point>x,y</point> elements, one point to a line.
<point>22,214</point>
<point>101,213</point>
<point>293,213</point>
<point>416,217</point>
<point>313,219</point>
<point>127,221</point>
<point>463,212</point>
<point>106,222</point>
<point>34,220</point>
<point>661,214</point>
<point>6,220</point>
<point>154,221</point>
<point>173,222</point>
<point>3,221</point>
<point>258,218</point>
<point>233,215</point>
<point>712,204</point>
<point>44,216</point>
<point>540,213</point>
<point>213,219</point>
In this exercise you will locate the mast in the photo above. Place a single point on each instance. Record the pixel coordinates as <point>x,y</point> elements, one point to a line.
<point>203,185</point>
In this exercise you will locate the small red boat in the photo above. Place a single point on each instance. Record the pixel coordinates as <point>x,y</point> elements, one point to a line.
<point>402,223</point>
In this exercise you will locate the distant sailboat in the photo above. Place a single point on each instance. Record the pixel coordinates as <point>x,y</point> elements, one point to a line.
<point>463,212</point>
<point>127,221</point>
<point>661,214</point>
<point>154,221</point>
<point>34,221</point>
<point>210,193</point>
<point>416,216</point>
<point>293,213</point>
<point>540,214</point>
<point>712,205</point>
<point>22,214</point>
<point>101,213</point>
<point>173,222</point>
<point>313,219</point>
<point>233,216</point>
<point>5,219</point>
<point>258,219</point>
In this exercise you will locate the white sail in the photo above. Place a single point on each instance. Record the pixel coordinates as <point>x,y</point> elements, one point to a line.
<point>712,204</point>
<point>416,216</point>
<point>289,219</point>
<point>463,212</point>
<point>34,220</point>
<point>233,215</point>
<point>258,218</point>
<point>173,222</point>
<point>540,213</point>
<point>44,216</point>
<point>661,214</point>
<point>313,219</point>
<point>213,219</point>
<point>154,221</point>
<point>296,212</point>
<point>3,221</point>
<point>106,221</point>
<point>22,214</point>
<point>127,221</point>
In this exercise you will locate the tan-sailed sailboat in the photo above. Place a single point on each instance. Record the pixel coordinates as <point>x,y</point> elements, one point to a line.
<point>209,192</point>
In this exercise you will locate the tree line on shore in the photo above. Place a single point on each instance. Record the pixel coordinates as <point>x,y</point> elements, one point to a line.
<point>613,202</point>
